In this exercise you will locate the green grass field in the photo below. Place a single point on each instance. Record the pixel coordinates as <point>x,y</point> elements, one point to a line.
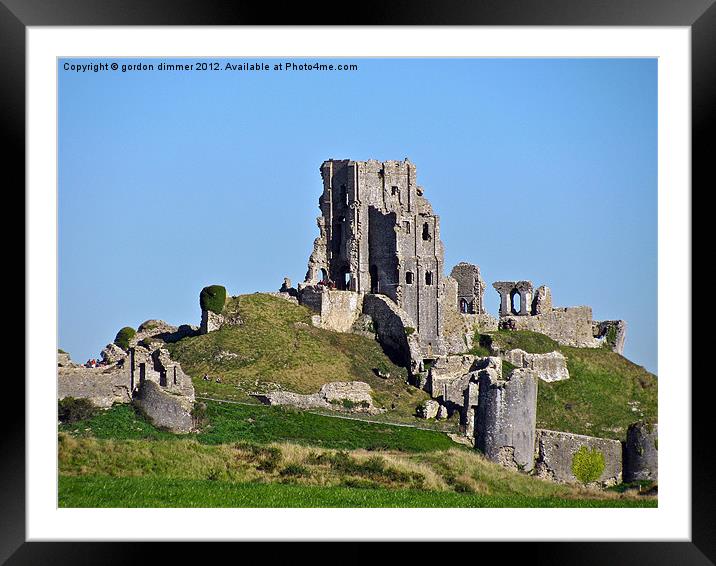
<point>104,491</point>
<point>232,422</point>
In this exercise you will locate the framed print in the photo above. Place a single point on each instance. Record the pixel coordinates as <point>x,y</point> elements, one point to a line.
<point>468,333</point>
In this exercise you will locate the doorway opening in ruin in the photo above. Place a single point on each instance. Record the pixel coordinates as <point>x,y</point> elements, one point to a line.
<point>344,280</point>
<point>374,284</point>
<point>324,276</point>
<point>516,301</point>
<point>142,373</point>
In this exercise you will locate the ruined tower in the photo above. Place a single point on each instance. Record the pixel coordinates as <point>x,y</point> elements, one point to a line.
<point>378,234</point>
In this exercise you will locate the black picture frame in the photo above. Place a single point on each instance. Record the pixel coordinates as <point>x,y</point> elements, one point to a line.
<point>698,15</point>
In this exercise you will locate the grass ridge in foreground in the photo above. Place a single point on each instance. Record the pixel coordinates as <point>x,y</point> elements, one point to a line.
<point>104,491</point>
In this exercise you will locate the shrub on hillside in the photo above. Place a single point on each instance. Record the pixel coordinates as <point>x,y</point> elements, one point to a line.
<point>124,336</point>
<point>71,410</point>
<point>587,464</point>
<point>213,298</point>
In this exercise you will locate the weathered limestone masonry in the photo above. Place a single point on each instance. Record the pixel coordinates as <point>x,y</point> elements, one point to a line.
<point>506,417</point>
<point>103,386</point>
<point>337,310</point>
<point>641,452</point>
<point>522,308</point>
<point>470,288</point>
<point>349,396</point>
<point>379,235</point>
<point>549,367</point>
<point>145,375</point>
<point>555,451</point>
<point>453,380</point>
<point>393,328</point>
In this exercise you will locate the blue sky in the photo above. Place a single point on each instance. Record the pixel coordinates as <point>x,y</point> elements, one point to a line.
<point>540,169</point>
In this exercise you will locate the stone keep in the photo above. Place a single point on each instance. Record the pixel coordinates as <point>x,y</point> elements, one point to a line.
<point>378,234</point>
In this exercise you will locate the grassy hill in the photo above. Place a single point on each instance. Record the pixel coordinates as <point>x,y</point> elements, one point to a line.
<point>276,346</point>
<point>603,396</point>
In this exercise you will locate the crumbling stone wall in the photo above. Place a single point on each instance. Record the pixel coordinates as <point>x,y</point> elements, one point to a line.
<point>349,396</point>
<point>554,456</point>
<point>395,332</point>
<point>611,333</point>
<point>549,367</point>
<point>337,310</point>
<point>507,416</point>
<point>641,452</point>
<point>570,326</point>
<point>471,288</point>
<point>210,321</point>
<point>103,386</point>
<point>379,235</point>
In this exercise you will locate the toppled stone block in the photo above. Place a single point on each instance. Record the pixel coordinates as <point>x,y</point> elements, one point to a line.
<point>164,408</point>
<point>428,410</point>
<point>506,417</point>
<point>641,452</point>
<point>549,367</point>
<point>442,413</point>
<point>352,391</point>
<point>555,457</point>
<point>350,396</point>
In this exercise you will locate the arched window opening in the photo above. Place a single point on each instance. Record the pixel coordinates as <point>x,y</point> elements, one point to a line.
<point>409,278</point>
<point>406,227</point>
<point>324,276</point>
<point>464,306</point>
<point>426,231</point>
<point>394,190</point>
<point>516,300</point>
<point>428,277</point>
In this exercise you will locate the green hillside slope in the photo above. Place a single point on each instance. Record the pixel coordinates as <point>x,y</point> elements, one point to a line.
<point>276,346</point>
<point>603,396</point>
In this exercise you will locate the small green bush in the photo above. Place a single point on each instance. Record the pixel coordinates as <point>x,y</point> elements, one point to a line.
<point>71,410</point>
<point>124,336</point>
<point>409,330</point>
<point>213,298</point>
<point>587,464</point>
